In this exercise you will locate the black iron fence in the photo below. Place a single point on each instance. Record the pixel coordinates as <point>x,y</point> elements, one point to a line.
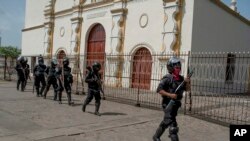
<point>219,87</point>
<point>7,70</point>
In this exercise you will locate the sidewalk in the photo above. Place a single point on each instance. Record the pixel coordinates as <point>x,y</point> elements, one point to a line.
<point>25,117</point>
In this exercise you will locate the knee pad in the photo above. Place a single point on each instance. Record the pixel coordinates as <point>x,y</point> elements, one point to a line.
<point>98,101</point>
<point>173,130</point>
<point>68,91</point>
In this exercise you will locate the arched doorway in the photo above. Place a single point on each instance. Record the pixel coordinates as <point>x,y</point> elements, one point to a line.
<point>142,67</point>
<point>60,55</point>
<point>96,46</point>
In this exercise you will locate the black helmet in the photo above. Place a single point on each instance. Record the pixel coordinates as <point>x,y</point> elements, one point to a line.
<point>22,60</point>
<point>25,60</point>
<point>96,66</point>
<point>65,61</point>
<point>54,62</point>
<point>172,62</point>
<point>40,60</point>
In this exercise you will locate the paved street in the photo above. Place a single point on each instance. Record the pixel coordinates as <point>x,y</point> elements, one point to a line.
<point>24,117</point>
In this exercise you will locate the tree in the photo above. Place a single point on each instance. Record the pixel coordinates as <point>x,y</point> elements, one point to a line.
<point>10,51</point>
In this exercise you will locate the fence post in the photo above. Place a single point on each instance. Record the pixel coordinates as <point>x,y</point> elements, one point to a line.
<point>188,93</point>
<point>5,66</point>
<point>138,90</point>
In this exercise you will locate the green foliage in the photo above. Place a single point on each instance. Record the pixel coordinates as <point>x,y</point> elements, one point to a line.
<point>10,51</point>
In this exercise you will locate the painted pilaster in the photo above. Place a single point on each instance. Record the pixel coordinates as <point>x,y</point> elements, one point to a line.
<point>170,26</point>
<point>76,28</point>
<point>171,29</point>
<point>49,29</point>
<point>119,12</point>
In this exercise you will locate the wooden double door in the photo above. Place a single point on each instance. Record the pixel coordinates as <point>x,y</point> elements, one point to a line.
<point>96,46</point>
<point>142,67</point>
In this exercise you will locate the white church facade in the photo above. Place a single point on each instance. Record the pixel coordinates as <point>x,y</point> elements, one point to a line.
<point>130,27</point>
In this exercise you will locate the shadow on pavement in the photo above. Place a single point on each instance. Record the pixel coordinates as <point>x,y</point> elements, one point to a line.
<point>112,114</point>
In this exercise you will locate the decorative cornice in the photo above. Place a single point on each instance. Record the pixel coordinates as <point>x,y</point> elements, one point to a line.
<point>66,11</point>
<point>48,12</point>
<point>230,11</point>
<point>77,19</point>
<point>166,1</point>
<point>32,28</point>
<point>48,23</point>
<point>92,5</point>
<point>120,10</point>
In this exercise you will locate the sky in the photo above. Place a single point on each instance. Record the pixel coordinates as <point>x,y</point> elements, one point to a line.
<point>12,15</point>
<point>11,22</point>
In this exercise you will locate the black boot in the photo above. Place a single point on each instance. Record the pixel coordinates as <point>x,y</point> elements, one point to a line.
<point>41,92</point>
<point>55,96</point>
<point>17,85</point>
<point>37,92</point>
<point>159,132</point>
<point>60,97</point>
<point>84,105</point>
<point>69,98</point>
<point>97,106</point>
<point>45,93</point>
<point>22,86</point>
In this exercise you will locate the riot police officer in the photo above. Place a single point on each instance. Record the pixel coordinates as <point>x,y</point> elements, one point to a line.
<point>53,75</point>
<point>93,79</point>
<point>22,69</point>
<point>166,89</point>
<point>39,76</point>
<point>67,79</point>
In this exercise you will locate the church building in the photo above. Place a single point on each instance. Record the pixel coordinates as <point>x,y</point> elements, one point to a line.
<point>111,30</point>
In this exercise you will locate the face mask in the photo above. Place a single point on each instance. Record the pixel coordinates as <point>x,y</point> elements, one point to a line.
<point>176,72</point>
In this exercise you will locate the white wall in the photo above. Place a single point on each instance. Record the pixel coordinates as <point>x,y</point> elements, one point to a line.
<point>152,33</point>
<point>187,25</point>
<point>32,42</point>
<point>62,41</point>
<point>214,29</point>
<point>34,13</point>
<point>63,5</point>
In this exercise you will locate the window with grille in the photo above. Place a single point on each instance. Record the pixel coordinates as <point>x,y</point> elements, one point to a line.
<point>230,69</point>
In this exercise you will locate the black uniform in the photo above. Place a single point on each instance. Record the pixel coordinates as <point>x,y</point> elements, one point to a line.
<point>68,79</point>
<point>53,75</point>
<point>27,73</point>
<point>22,69</point>
<point>21,77</point>
<point>93,79</point>
<point>39,74</point>
<point>169,84</point>
<point>60,84</point>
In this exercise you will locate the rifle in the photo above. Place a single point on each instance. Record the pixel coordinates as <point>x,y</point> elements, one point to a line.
<point>172,102</point>
<point>99,82</point>
<point>34,84</point>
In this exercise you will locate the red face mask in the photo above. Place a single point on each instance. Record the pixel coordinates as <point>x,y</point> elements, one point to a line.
<point>176,73</point>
